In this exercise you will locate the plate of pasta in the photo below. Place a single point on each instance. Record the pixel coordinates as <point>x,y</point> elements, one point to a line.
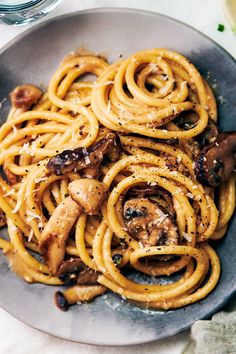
<point>117,193</point>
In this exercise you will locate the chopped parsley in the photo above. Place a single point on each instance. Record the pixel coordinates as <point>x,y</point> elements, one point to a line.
<point>117,259</point>
<point>220,27</point>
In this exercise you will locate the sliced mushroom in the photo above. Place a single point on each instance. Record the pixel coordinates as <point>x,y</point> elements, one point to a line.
<point>83,158</point>
<point>25,96</point>
<point>56,232</point>
<point>208,135</point>
<point>3,220</point>
<point>216,161</point>
<point>89,193</point>
<point>73,270</point>
<point>88,277</point>
<point>144,189</point>
<point>91,172</point>
<point>77,294</point>
<point>148,223</point>
<point>69,270</point>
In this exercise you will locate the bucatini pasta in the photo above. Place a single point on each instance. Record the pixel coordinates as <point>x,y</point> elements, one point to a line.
<point>125,173</point>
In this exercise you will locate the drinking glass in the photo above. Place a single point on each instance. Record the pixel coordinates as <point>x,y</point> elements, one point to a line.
<point>20,12</point>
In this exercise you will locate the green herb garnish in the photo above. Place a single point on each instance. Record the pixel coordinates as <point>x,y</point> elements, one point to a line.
<point>117,259</point>
<point>220,27</point>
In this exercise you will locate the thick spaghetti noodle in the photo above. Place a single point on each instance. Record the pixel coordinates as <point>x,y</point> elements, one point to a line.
<point>102,177</point>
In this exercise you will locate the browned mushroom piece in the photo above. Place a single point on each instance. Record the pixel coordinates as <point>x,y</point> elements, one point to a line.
<point>87,277</point>
<point>148,223</point>
<point>208,135</point>
<point>73,270</point>
<point>89,193</point>
<point>91,172</point>
<point>69,270</point>
<point>144,189</point>
<point>82,158</point>
<point>216,161</point>
<point>3,220</point>
<point>25,96</point>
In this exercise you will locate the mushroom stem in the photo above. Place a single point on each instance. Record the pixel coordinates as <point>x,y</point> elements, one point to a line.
<point>85,195</point>
<point>56,232</point>
<point>78,293</point>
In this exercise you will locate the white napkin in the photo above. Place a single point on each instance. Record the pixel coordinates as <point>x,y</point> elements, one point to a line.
<point>217,336</point>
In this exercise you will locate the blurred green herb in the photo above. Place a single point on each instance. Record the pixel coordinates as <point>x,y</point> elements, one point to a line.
<point>220,27</point>
<point>117,259</point>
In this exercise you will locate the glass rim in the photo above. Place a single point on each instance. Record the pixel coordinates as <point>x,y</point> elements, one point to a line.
<point>19,7</point>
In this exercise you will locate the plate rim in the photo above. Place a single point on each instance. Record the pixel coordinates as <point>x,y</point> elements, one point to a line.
<point>69,15</point>
<point>114,9</point>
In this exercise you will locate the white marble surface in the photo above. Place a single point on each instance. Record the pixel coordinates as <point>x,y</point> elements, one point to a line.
<point>17,338</point>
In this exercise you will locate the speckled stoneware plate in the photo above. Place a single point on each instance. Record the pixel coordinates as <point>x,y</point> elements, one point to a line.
<point>33,57</point>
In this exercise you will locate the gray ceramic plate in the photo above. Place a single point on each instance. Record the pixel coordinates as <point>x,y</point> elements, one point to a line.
<point>33,57</point>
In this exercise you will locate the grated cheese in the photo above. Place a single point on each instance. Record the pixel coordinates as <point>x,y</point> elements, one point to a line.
<point>31,216</point>
<point>11,192</point>
<point>153,67</point>
<point>187,236</point>
<point>25,148</point>
<point>40,179</point>
<point>33,148</point>
<point>17,207</point>
<point>152,184</point>
<point>87,160</point>
<point>31,234</point>
<point>179,158</point>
